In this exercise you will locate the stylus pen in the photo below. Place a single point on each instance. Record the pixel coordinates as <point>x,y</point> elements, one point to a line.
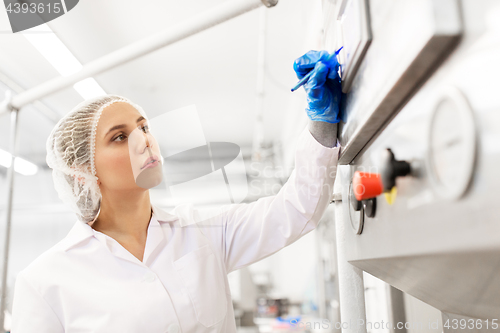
<point>305,78</point>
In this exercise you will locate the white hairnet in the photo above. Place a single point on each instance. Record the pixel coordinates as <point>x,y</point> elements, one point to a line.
<point>71,151</point>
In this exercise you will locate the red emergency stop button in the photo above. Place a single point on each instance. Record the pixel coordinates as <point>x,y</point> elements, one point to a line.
<point>366,185</point>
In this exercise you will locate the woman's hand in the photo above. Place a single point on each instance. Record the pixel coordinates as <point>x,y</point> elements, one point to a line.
<point>323,87</point>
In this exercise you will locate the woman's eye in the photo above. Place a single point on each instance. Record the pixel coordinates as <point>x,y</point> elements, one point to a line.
<point>145,128</point>
<point>121,135</point>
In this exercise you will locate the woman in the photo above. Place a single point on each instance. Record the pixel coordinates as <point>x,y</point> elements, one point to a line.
<point>127,266</point>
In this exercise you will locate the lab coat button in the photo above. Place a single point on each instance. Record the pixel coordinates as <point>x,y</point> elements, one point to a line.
<point>149,277</point>
<point>174,328</point>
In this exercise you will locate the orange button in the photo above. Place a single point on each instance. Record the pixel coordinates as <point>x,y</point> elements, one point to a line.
<point>366,185</point>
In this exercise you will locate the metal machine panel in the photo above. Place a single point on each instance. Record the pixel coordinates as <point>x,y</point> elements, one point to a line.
<point>410,39</point>
<point>356,36</point>
<point>439,241</point>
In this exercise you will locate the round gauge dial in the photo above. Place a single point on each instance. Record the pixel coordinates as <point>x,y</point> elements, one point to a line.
<point>452,145</point>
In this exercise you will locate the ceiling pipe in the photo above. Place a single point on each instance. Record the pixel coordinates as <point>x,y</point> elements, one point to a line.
<point>192,26</point>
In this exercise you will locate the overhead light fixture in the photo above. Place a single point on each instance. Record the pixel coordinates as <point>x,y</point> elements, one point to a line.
<point>21,166</point>
<point>59,56</point>
<point>89,88</point>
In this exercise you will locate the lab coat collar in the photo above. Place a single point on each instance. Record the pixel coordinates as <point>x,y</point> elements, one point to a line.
<point>162,215</point>
<point>82,231</point>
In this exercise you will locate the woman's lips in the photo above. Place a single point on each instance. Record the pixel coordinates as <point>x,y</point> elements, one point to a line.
<point>151,162</point>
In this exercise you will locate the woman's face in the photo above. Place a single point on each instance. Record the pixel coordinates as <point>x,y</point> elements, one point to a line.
<point>127,155</point>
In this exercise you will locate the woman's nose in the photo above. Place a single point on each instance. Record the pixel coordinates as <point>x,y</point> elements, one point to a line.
<point>149,143</point>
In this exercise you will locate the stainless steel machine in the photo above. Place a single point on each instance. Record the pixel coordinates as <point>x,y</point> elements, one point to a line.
<point>422,114</point>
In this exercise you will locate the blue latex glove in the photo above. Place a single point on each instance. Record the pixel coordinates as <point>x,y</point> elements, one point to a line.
<point>323,88</point>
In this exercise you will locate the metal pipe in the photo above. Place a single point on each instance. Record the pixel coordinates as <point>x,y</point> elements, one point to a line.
<point>197,23</point>
<point>396,308</point>
<point>351,284</point>
<point>47,112</point>
<point>8,219</point>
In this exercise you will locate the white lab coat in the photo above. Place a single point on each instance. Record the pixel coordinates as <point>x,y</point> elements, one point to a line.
<point>88,282</point>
